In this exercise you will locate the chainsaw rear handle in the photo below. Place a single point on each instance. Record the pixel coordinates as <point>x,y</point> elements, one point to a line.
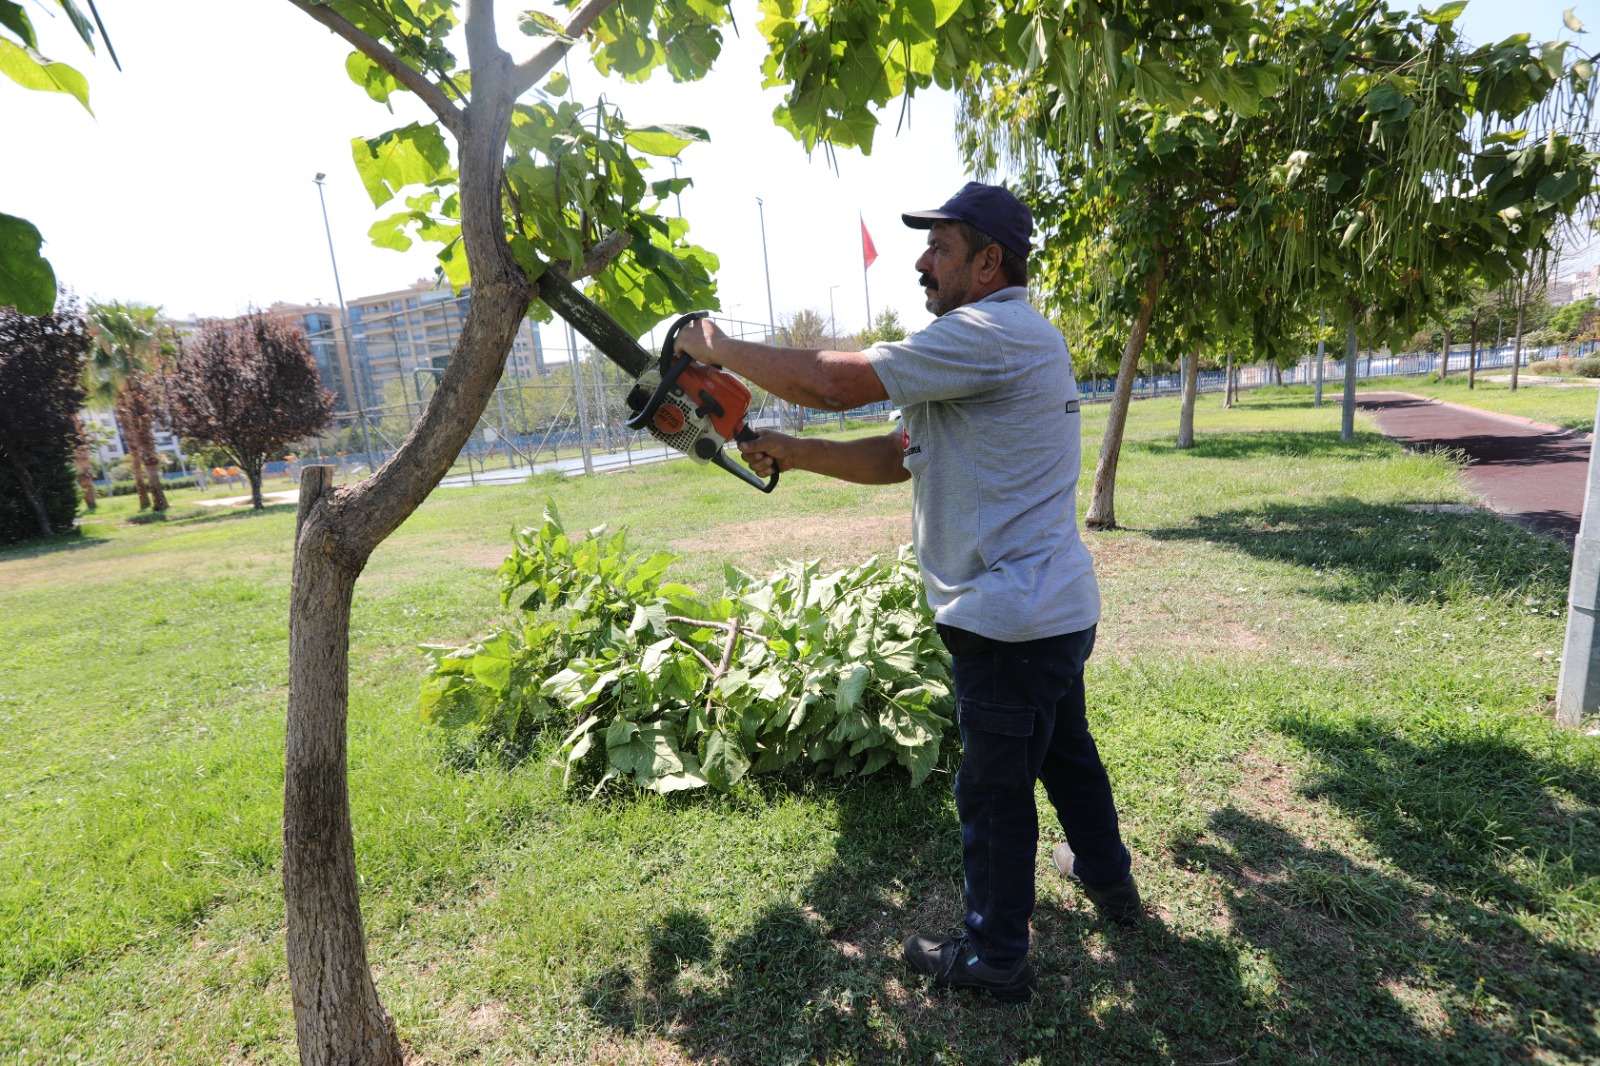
<point>744,472</point>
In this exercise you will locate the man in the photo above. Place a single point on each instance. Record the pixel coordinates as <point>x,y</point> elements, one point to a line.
<point>989,436</point>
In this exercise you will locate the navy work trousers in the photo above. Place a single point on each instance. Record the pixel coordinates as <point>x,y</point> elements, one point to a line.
<point>1022,716</point>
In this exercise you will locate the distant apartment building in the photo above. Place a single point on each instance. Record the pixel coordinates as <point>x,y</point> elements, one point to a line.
<point>407,335</point>
<point>1585,283</point>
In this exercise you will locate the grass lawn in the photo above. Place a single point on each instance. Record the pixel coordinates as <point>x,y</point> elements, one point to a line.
<point>1565,402</point>
<point>1326,716</point>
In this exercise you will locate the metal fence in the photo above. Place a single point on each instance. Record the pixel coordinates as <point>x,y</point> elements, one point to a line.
<point>572,423</point>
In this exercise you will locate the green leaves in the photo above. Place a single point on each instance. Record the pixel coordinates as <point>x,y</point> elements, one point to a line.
<point>841,671</point>
<point>664,140</point>
<point>539,24</point>
<point>26,280</point>
<point>412,155</point>
<point>29,69</point>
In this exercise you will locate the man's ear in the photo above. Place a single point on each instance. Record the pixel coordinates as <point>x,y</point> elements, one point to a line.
<point>988,263</point>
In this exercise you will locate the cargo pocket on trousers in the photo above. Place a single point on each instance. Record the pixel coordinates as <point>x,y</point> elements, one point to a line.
<point>996,738</point>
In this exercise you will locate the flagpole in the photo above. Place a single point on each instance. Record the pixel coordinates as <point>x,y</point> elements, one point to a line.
<point>866,285</point>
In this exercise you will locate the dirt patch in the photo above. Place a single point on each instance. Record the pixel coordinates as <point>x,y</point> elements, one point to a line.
<point>837,540</point>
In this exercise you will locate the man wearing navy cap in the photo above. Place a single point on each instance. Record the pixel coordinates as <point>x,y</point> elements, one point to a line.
<point>989,435</point>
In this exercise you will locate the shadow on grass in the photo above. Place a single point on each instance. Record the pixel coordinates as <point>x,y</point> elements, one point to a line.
<point>1283,444</point>
<point>65,542</point>
<point>1310,958</point>
<point>213,515</point>
<point>1362,552</point>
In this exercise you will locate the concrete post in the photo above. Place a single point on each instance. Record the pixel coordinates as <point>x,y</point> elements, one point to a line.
<point>1578,691</point>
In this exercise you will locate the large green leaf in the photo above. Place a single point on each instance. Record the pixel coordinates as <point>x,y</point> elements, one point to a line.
<point>668,140</point>
<point>26,280</point>
<point>725,761</point>
<point>412,155</point>
<point>31,70</point>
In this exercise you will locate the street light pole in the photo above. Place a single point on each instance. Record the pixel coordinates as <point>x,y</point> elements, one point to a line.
<point>772,319</point>
<point>344,325</point>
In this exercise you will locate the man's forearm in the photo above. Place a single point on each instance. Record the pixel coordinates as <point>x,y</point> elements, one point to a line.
<point>869,461</point>
<point>826,380</point>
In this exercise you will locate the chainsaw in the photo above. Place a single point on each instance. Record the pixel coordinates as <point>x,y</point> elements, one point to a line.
<point>695,408</point>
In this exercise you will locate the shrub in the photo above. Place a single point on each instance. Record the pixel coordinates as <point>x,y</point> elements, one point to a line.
<point>1551,366</point>
<point>128,487</point>
<point>842,672</point>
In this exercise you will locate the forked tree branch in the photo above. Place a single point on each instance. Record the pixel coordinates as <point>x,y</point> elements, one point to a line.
<point>595,259</point>
<point>542,62</point>
<point>375,50</point>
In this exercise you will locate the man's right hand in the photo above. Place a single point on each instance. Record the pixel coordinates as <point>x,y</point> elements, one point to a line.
<point>769,452</point>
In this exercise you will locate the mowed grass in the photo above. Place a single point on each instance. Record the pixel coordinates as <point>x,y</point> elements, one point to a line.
<point>1565,402</point>
<point>1326,715</point>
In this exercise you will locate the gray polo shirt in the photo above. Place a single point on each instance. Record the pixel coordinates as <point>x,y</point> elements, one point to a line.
<point>989,420</point>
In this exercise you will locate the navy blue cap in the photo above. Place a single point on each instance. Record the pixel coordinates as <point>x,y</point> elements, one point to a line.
<point>990,208</point>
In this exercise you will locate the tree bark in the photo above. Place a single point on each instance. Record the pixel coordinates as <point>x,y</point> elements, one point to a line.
<point>1472,358</point>
<point>142,442</point>
<point>30,491</point>
<point>1444,358</point>
<point>339,1018</point>
<point>253,472</point>
<point>1347,419</point>
<point>1227,383</point>
<point>1191,389</point>
<point>1102,503</point>
<point>1516,356</point>
<point>1277,373</point>
<point>80,459</point>
<point>125,421</point>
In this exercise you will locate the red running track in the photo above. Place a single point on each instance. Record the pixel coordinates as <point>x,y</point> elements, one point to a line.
<point>1527,471</point>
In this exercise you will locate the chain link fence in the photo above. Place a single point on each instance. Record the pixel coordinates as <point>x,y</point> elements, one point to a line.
<point>561,407</point>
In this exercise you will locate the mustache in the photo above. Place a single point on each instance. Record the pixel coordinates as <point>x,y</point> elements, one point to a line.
<point>927,281</point>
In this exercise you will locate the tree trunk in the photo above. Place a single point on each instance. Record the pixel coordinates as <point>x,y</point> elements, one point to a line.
<point>253,472</point>
<point>80,459</point>
<point>1277,373</point>
<point>142,443</point>
<point>1347,420</point>
<point>1102,503</point>
<point>125,421</point>
<point>1472,358</point>
<point>1191,388</point>
<point>1516,356</point>
<point>1444,359</point>
<point>1227,383</point>
<point>338,1016</point>
<point>30,491</point>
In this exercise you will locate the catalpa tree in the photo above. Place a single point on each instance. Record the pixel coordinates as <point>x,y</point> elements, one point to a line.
<point>523,195</point>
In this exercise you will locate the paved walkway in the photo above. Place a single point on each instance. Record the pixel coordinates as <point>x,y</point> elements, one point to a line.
<point>1525,470</point>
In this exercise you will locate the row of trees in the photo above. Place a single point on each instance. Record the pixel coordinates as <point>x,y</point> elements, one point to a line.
<point>246,386</point>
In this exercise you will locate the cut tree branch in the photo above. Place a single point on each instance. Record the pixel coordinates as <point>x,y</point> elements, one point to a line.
<point>542,62</point>
<point>373,49</point>
<point>595,259</point>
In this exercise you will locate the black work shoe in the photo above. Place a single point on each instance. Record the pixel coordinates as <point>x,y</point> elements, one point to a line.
<point>952,963</point>
<point>1117,903</point>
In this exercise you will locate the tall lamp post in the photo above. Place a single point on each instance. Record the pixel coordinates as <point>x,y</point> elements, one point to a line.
<point>344,326</point>
<point>772,319</point>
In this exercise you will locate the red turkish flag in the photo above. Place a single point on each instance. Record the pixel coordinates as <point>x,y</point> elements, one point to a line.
<point>869,253</point>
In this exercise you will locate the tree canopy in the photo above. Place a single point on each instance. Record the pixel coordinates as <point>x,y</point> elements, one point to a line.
<point>249,386</point>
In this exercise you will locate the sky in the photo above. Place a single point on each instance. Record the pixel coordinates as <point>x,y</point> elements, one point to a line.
<point>191,184</point>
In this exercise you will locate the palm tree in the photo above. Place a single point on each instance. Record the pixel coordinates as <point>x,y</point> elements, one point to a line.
<point>127,349</point>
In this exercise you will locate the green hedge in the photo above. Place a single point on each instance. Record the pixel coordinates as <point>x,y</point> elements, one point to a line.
<point>128,488</point>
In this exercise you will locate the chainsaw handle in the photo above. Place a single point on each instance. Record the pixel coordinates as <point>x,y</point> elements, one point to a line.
<point>744,473</point>
<point>747,434</point>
